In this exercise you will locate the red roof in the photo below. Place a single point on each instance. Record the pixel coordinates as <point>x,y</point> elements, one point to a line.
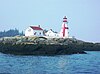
<point>36,28</point>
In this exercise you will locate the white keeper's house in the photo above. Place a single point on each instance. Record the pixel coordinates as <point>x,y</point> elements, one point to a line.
<point>34,31</point>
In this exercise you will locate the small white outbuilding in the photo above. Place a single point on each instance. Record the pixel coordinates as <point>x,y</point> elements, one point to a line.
<point>51,33</point>
<point>34,31</point>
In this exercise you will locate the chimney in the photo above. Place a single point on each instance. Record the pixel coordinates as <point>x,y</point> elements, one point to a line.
<point>51,29</point>
<point>38,25</point>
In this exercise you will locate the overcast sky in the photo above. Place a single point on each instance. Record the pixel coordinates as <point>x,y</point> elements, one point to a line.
<point>83,16</point>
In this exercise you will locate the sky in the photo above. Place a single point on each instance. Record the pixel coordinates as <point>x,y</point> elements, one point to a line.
<point>83,16</point>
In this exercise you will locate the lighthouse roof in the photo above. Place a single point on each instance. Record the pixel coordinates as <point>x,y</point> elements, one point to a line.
<point>64,17</point>
<point>36,28</point>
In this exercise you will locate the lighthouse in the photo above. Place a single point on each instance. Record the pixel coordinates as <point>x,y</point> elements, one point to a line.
<point>64,29</point>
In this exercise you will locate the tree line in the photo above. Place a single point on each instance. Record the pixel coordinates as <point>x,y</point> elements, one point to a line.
<point>11,32</point>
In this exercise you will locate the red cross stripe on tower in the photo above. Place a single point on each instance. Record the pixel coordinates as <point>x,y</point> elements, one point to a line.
<point>64,28</point>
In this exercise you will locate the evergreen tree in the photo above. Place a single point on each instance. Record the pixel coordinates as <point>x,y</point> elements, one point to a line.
<point>11,32</point>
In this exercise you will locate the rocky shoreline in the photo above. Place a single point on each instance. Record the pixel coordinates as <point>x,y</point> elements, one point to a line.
<point>21,45</point>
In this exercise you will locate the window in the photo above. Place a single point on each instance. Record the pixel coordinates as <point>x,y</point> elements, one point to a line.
<point>29,30</point>
<point>35,33</point>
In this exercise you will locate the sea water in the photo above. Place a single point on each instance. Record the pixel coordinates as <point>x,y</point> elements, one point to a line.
<point>63,64</point>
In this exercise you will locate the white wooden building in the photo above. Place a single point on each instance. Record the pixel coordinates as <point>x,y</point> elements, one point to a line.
<point>34,31</point>
<point>52,34</point>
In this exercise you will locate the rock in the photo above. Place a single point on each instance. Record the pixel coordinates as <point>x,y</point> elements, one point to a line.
<point>22,45</point>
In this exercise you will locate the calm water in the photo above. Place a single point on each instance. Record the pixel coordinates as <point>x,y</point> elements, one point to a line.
<point>67,64</point>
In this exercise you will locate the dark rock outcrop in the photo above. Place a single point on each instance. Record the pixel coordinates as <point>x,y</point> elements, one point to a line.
<point>38,49</point>
<point>45,46</point>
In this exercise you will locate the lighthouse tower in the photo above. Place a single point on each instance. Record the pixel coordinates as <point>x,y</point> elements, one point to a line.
<point>64,29</point>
